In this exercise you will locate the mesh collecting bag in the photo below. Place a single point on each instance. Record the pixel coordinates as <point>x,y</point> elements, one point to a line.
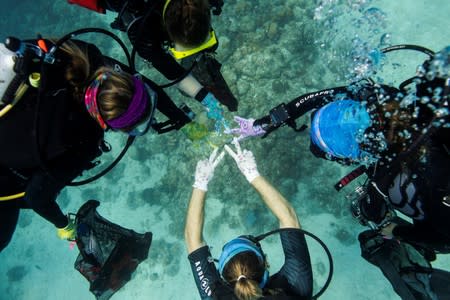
<point>109,253</point>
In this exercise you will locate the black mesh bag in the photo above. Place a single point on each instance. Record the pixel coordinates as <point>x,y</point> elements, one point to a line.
<point>109,253</point>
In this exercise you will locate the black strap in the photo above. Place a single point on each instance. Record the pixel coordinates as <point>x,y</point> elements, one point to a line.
<point>327,251</point>
<point>350,177</point>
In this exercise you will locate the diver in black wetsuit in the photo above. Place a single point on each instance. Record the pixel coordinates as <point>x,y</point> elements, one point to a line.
<point>242,270</point>
<point>164,31</point>
<point>52,121</point>
<point>401,141</point>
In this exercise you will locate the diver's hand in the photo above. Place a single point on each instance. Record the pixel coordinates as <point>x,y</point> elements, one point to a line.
<point>214,111</point>
<point>245,161</point>
<point>205,170</point>
<point>246,128</point>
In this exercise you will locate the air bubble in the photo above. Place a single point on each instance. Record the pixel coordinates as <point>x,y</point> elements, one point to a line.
<point>424,99</point>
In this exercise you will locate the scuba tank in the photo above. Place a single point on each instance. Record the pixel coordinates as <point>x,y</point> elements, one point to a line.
<point>6,69</point>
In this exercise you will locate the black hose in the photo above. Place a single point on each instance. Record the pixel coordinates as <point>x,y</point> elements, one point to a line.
<point>72,34</point>
<point>327,251</point>
<point>409,47</point>
<point>130,141</point>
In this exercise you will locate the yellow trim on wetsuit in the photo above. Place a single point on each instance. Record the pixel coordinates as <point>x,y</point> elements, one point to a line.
<point>180,54</point>
<point>12,197</point>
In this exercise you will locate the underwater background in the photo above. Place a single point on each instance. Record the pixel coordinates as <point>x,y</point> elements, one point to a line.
<point>272,51</point>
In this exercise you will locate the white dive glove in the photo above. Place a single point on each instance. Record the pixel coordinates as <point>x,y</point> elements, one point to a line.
<point>205,170</point>
<point>245,161</point>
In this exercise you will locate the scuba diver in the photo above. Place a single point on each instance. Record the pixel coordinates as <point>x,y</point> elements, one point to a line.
<point>400,137</point>
<point>56,104</point>
<point>164,32</point>
<point>242,271</point>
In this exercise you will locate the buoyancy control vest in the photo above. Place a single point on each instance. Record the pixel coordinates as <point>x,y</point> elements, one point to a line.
<point>64,125</point>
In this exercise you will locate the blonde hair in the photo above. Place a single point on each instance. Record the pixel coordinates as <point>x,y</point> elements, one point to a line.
<point>245,271</point>
<point>77,71</point>
<point>115,93</point>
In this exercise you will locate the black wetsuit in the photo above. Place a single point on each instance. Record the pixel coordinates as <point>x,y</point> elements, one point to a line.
<point>143,23</point>
<point>417,189</point>
<point>424,186</point>
<point>69,140</point>
<point>431,178</point>
<point>294,278</point>
<point>149,37</point>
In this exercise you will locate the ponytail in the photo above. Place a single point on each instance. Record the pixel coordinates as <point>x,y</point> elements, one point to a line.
<point>245,271</point>
<point>77,71</point>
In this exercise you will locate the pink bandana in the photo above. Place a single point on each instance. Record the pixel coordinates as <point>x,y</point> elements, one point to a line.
<point>90,99</point>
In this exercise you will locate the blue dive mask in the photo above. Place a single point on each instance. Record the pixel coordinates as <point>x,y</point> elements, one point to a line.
<point>338,127</point>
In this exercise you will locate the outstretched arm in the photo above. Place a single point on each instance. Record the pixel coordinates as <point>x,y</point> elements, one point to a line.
<point>279,206</point>
<point>193,231</point>
<point>284,114</point>
<point>287,114</point>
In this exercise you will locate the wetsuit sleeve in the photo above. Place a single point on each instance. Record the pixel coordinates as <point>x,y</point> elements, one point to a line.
<point>204,271</point>
<point>286,114</point>
<point>9,215</point>
<point>162,61</point>
<point>295,276</point>
<point>40,195</point>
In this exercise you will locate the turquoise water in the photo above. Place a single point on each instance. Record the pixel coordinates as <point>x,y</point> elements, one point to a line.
<point>272,51</point>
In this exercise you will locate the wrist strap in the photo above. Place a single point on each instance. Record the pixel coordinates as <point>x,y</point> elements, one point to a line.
<point>201,94</point>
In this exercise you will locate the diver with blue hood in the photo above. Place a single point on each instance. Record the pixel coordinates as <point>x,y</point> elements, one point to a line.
<point>242,271</point>
<point>399,138</point>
